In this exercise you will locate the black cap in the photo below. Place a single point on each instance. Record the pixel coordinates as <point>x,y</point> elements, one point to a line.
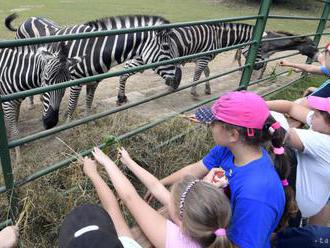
<point>88,226</point>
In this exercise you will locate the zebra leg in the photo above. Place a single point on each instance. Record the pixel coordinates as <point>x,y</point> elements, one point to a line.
<point>90,92</point>
<point>73,101</point>
<point>263,69</point>
<point>200,67</point>
<point>31,105</point>
<point>121,97</point>
<point>11,111</point>
<point>207,83</point>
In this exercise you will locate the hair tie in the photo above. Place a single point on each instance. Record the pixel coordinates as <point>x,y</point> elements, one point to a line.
<point>183,196</point>
<point>220,232</point>
<point>278,151</point>
<point>327,46</point>
<point>285,182</point>
<point>276,125</point>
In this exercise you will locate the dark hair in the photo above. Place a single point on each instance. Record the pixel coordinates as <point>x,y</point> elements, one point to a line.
<point>281,162</point>
<point>326,116</point>
<point>283,169</point>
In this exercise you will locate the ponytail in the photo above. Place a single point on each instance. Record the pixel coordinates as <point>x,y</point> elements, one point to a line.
<point>282,166</point>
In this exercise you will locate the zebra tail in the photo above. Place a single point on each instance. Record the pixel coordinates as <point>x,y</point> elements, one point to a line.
<point>8,21</point>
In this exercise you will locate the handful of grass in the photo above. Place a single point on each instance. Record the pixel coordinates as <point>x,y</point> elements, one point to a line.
<point>110,140</point>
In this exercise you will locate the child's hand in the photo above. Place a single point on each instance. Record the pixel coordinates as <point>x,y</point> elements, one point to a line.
<point>100,156</point>
<point>284,62</point>
<point>89,167</point>
<point>9,236</point>
<point>216,177</point>
<point>124,156</point>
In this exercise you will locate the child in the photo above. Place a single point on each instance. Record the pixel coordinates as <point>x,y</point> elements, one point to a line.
<point>200,212</point>
<point>324,60</point>
<point>93,226</point>
<point>313,155</point>
<point>240,122</point>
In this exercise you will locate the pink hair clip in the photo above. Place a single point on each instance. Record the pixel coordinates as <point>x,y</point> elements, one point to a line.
<point>220,232</point>
<point>285,182</point>
<point>276,125</point>
<point>278,151</point>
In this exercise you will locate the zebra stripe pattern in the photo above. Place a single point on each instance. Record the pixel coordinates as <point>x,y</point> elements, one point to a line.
<point>26,70</point>
<point>101,53</point>
<point>196,39</point>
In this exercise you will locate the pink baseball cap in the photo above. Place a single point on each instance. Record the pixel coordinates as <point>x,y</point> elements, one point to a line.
<point>319,103</point>
<point>240,108</point>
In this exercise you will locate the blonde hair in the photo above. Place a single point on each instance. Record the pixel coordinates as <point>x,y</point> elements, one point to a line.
<point>206,209</point>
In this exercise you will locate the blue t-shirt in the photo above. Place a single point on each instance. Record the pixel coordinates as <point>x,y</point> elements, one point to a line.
<point>257,197</point>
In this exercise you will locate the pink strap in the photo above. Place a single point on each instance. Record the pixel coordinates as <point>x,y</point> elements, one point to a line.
<point>285,182</point>
<point>276,125</point>
<point>278,151</point>
<point>220,232</point>
<point>250,132</point>
<point>327,46</point>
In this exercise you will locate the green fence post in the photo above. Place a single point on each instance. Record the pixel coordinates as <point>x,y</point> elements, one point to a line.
<point>257,35</point>
<point>6,166</point>
<point>320,27</point>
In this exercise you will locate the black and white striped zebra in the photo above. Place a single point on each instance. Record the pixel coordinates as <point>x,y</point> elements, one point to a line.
<point>23,70</point>
<point>304,45</point>
<point>196,39</point>
<point>101,53</point>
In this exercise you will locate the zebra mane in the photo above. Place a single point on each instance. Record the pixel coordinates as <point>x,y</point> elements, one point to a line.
<point>284,33</point>
<point>111,19</point>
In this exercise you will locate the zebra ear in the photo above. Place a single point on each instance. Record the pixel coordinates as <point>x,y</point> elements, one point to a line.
<point>75,60</point>
<point>45,54</point>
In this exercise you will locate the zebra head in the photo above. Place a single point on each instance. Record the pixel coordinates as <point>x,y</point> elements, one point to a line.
<point>161,48</point>
<point>56,69</point>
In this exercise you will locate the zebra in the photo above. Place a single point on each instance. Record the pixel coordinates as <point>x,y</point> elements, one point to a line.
<point>194,39</point>
<point>304,45</point>
<point>101,53</point>
<point>23,70</point>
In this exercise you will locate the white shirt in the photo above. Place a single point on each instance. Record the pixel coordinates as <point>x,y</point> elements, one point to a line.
<point>128,242</point>
<point>313,171</point>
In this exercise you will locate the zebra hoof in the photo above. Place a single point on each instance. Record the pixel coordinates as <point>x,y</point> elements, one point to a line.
<point>121,100</point>
<point>194,94</point>
<point>207,91</point>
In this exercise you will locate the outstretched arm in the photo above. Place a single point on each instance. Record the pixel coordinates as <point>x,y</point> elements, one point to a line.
<point>196,169</point>
<point>107,198</point>
<point>150,181</point>
<point>297,112</point>
<point>146,217</point>
<point>315,69</point>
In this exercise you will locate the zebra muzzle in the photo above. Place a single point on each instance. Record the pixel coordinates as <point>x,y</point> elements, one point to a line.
<point>51,118</point>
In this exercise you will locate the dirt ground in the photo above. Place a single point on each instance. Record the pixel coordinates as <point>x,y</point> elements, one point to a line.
<point>146,84</point>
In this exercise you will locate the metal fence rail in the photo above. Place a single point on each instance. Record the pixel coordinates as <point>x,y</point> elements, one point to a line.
<point>261,20</point>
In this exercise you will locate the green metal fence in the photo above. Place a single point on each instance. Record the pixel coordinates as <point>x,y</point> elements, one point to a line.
<point>12,183</point>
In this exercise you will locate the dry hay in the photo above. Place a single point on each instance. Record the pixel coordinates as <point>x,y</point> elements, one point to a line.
<point>47,200</point>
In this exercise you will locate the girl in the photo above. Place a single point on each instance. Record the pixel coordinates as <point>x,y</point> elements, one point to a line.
<point>200,211</point>
<point>313,155</point>
<point>240,122</point>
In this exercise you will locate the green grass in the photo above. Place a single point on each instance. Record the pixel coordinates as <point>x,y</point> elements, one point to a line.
<point>298,88</point>
<point>68,12</point>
